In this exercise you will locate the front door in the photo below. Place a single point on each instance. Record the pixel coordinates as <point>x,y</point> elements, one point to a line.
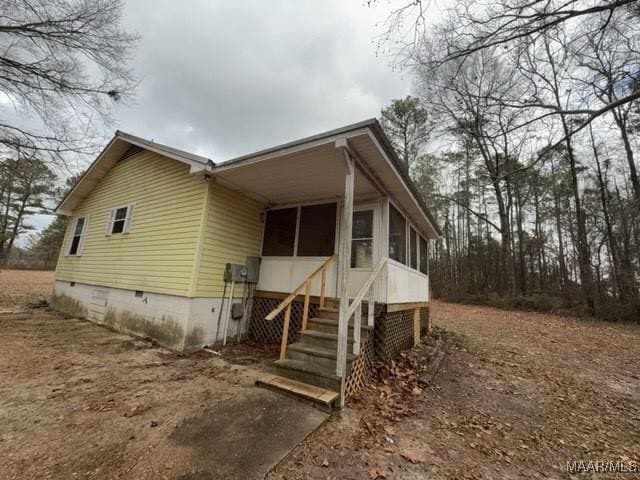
<point>364,245</point>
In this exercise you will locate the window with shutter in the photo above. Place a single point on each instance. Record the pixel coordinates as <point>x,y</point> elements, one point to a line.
<point>120,220</point>
<point>78,236</point>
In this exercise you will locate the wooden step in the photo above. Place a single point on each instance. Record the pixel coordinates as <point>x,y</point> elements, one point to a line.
<point>331,326</point>
<point>305,372</point>
<point>288,386</point>
<point>329,339</point>
<point>331,313</point>
<point>315,355</point>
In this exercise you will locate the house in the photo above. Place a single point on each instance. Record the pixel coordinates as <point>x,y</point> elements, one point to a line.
<point>317,230</point>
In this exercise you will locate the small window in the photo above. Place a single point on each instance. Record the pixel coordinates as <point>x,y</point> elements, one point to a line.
<point>362,239</point>
<point>280,232</point>
<point>120,220</point>
<point>424,256</point>
<point>138,294</point>
<point>397,235</point>
<point>413,248</point>
<point>78,236</point>
<point>317,230</point>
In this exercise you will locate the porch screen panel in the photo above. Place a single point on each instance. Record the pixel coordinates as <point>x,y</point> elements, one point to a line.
<point>424,256</point>
<point>317,234</point>
<point>413,249</point>
<point>397,235</point>
<point>280,233</point>
<point>362,239</point>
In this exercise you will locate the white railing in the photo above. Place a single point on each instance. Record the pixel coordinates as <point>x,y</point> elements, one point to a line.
<point>355,308</point>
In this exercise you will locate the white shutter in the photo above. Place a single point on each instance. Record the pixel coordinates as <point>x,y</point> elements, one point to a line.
<point>112,215</point>
<point>128,219</point>
<point>83,234</point>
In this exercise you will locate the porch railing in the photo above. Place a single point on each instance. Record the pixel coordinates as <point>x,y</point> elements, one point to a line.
<point>355,310</point>
<point>286,303</point>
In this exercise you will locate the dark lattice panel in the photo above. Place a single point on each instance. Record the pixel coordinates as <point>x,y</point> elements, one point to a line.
<point>393,333</point>
<point>266,331</point>
<point>361,369</point>
<point>425,326</point>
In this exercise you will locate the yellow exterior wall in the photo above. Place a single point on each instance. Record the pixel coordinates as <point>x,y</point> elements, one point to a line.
<point>233,232</point>
<point>160,251</point>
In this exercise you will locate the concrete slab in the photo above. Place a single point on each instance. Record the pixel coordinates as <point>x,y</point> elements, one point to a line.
<point>244,438</point>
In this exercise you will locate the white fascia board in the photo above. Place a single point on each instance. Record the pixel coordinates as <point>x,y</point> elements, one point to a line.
<point>288,150</point>
<point>401,180</point>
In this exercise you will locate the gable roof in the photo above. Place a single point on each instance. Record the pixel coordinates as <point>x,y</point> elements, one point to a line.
<point>109,156</point>
<point>122,141</point>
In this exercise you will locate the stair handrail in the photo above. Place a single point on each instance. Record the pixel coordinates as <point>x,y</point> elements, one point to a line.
<point>356,308</point>
<point>366,286</point>
<point>286,303</point>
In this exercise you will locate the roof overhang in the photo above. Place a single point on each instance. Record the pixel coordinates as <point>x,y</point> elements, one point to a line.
<point>309,169</point>
<point>313,169</point>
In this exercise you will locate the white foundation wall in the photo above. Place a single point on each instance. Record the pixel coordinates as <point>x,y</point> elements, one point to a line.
<point>180,323</point>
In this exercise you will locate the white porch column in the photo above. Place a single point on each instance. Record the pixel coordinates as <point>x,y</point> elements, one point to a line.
<point>344,260</point>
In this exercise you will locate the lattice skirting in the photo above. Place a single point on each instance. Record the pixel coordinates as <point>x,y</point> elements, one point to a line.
<point>425,321</point>
<point>393,333</point>
<point>361,369</point>
<point>266,331</point>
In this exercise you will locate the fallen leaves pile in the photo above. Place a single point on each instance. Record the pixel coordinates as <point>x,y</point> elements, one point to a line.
<point>394,389</point>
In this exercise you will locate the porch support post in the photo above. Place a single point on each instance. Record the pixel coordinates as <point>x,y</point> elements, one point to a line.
<point>344,263</point>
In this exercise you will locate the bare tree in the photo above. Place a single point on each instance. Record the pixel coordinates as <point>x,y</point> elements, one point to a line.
<point>62,65</point>
<point>609,62</point>
<point>462,97</point>
<point>471,27</point>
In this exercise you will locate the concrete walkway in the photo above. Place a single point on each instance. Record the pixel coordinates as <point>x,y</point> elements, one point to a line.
<point>241,439</point>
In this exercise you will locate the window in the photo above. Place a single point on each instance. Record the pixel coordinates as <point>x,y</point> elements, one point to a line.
<point>78,236</point>
<point>424,256</point>
<point>362,239</point>
<point>413,249</point>
<point>280,232</point>
<point>120,220</point>
<point>397,235</point>
<point>317,230</point>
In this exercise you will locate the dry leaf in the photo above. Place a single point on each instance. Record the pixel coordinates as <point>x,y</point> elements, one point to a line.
<point>375,474</point>
<point>411,456</point>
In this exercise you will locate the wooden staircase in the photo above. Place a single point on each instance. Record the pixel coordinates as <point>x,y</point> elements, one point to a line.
<point>312,359</point>
<point>316,365</point>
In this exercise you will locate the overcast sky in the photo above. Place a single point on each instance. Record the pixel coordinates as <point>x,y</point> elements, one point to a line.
<point>223,78</point>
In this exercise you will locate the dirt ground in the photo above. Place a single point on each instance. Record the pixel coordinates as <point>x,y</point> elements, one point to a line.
<point>517,396</point>
<point>80,401</point>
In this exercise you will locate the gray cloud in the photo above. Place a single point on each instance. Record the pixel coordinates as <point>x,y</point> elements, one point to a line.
<point>226,78</point>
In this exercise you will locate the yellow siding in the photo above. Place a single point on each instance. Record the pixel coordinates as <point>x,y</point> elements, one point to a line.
<point>159,253</point>
<point>233,231</point>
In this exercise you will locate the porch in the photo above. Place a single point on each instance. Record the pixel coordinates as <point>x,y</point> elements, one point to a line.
<point>344,253</point>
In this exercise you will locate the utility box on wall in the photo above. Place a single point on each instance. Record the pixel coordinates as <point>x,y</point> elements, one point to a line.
<point>253,269</point>
<point>234,272</point>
